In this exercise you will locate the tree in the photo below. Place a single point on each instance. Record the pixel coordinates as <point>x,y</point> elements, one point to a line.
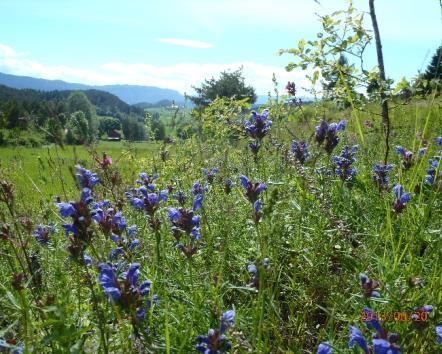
<point>78,129</point>
<point>339,75</point>
<point>78,101</point>
<point>344,32</point>
<point>158,127</point>
<point>434,69</point>
<point>133,130</point>
<point>108,124</point>
<point>229,85</point>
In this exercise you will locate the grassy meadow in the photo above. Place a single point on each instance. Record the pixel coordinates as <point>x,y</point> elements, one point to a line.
<point>289,268</point>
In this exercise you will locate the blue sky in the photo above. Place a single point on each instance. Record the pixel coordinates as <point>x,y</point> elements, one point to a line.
<point>176,44</point>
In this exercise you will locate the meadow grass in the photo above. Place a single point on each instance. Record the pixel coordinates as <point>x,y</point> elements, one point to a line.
<point>315,235</point>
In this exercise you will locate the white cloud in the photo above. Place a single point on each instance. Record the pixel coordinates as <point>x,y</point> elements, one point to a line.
<point>180,76</point>
<point>186,42</point>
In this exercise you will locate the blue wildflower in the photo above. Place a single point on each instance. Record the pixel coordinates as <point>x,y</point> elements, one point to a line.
<point>421,151</point>
<point>439,140</point>
<point>329,134</point>
<point>323,171</point>
<point>198,202</point>
<point>210,174</point>
<point>5,347</point>
<point>181,198</point>
<point>184,221</point>
<point>438,330</point>
<point>80,226</point>
<point>216,341</point>
<point>380,175</point>
<point>324,348</point>
<point>253,190</point>
<point>407,156</point>
<point>110,221</point>
<point>132,230</point>
<point>344,161</point>
<point>254,148</point>
<point>108,280</point>
<point>357,338</point>
<point>149,202</point>
<point>228,184</point>
<point>401,198</point>
<point>66,209</point>
<point>86,196</point>
<point>259,125</point>
<point>199,188</point>
<point>300,151</point>
<point>227,320</point>
<point>419,317</point>
<point>383,346</point>
<point>87,260</point>
<point>126,292</point>
<point>430,176</point>
<point>373,322</point>
<point>369,286</point>
<point>42,233</point>
<point>85,178</point>
<point>147,180</point>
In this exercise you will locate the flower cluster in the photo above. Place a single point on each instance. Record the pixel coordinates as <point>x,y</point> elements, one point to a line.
<point>42,233</point>
<point>85,178</point>
<point>291,88</point>
<point>125,291</point>
<point>185,222</point>
<point>259,125</point>
<point>254,272</point>
<point>419,314</point>
<point>401,198</point>
<point>144,198</point>
<point>252,192</point>
<point>228,184</point>
<point>369,286</point>
<point>109,220</point>
<point>210,174</point>
<point>300,151</point>
<point>380,175</point>
<point>324,348</point>
<point>329,134</point>
<point>147,180</point>
<point>439,328</point>
<point>257,128</point>
<point>407,156</point>
<point>344,161</point>
<point>79,231</point>
<point>430,176</point>
<point>6,347</point>
<point>383,342</point>
<point>216,341</point>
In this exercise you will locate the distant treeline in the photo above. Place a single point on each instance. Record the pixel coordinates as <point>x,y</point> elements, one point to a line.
<point>31,117</point>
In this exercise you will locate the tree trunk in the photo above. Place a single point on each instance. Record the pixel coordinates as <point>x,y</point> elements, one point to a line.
<point>384,102</point>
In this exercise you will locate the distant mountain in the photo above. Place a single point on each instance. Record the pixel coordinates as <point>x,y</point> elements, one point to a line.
<point>130,94</point>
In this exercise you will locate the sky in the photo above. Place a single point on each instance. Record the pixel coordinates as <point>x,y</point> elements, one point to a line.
<point>176,44</point>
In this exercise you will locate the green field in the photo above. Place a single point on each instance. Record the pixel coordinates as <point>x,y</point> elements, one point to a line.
<point>313,237</point>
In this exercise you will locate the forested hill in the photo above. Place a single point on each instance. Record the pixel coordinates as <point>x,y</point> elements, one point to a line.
<point>128,93</point>
<point>104,102</point>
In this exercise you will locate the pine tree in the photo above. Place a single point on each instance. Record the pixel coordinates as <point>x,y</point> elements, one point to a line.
<point>434,69</point>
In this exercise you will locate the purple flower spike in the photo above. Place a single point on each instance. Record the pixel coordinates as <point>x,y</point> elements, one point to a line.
<point>401,198</point>
<point>357,338</point>
<point>324,348</point>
